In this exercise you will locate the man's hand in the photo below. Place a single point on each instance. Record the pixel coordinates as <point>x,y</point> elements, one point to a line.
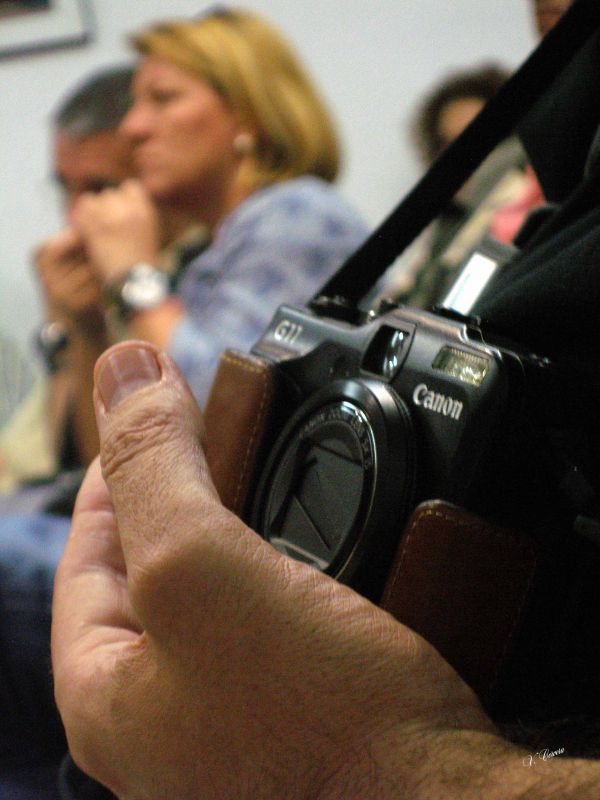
<point>72,289</point>
<point>191,660</point>
<point>119,228</point>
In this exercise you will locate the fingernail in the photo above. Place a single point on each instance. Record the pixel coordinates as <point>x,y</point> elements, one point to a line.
<point>124,372</point>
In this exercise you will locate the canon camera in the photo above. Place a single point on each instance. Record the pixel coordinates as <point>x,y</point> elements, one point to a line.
<point>377,414</point>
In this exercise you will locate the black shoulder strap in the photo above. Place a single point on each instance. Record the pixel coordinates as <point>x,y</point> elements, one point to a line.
<point>433,192</point>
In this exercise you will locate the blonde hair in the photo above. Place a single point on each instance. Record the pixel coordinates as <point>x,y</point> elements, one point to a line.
<point>259,77</point>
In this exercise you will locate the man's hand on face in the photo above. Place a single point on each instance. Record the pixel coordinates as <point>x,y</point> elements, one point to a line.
<point>72,289</point>
<point>119,227</point>
<point>191,660</point>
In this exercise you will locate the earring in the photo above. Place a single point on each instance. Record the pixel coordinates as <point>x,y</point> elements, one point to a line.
<point>244,143</point>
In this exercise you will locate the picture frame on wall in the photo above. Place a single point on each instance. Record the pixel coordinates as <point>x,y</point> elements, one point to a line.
<point>33,26</point>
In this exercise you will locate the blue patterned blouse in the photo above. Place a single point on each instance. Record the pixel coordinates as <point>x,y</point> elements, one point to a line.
<point>278,246</point>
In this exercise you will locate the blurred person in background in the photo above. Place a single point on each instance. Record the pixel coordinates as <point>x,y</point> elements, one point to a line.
<point>48,432</point>
<point>226,125</point>
<point>546,14</point>
<point>451,105</point>
<point>88,154</point>
<point>422,275</point>
<point>508,220</point>
<point>496,200</point>
<point>226,128</point>
<point>16,376</point>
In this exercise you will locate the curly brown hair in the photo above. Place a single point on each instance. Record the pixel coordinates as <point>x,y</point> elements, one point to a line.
<point>480,82</point>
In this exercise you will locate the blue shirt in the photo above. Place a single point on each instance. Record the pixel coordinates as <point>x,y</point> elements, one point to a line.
<point>278,246</point>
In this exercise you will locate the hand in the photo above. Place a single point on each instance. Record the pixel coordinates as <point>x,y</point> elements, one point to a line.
<point>73,291</point>
<point>192,660</point>
<point>119,228</point>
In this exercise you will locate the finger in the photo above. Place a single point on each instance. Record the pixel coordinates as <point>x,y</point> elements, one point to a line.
<point>78,277</point>
<point>57,247</point>
<point>91,608</point>
<point>93,625</point>
<point>150,431</point>
<point>63,239</point>
<point>74,291</point>
<point>86,211</point>
<point>72,274</point>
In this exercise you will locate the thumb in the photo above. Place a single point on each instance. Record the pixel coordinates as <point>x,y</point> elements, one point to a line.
<point>153,463</point>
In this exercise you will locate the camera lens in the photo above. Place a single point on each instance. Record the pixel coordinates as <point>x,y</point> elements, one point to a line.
<point>339,483</point>
<point>322,480</point>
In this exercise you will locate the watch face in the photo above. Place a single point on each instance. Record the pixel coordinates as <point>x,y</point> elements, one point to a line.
<point>144,288</point>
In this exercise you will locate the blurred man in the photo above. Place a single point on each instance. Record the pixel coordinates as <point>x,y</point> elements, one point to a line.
<point>89,155</point>
<point>54,428</point>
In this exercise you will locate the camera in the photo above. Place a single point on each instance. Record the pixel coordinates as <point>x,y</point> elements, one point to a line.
<point>377,415</point>
<point>381,411</point>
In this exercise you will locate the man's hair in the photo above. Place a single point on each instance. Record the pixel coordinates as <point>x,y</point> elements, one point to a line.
<point>97,104</point>
<point>248,63</point>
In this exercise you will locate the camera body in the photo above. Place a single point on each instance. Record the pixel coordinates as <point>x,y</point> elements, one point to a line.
<point>379,412</point>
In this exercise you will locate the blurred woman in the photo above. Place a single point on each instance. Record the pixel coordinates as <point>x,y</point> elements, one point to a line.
<point>226,125</point>
<point>425,272</point>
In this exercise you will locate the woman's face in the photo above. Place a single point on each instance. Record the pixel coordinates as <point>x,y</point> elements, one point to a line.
<point>455,116</point>
<point>182,134</point>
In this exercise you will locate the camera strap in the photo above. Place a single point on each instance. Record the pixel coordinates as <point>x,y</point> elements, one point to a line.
<point>497,120</point>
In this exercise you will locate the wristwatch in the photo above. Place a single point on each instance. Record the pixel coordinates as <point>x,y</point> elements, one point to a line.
<point>141,288</point>
<point>51,341</point>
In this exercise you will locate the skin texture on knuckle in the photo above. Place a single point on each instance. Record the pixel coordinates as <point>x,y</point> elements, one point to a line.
<point>143,433</point>
<point>135,466</point>
<point>159,421</point>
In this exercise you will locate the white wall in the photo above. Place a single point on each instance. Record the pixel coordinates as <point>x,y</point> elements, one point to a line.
<point>373,59</point>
